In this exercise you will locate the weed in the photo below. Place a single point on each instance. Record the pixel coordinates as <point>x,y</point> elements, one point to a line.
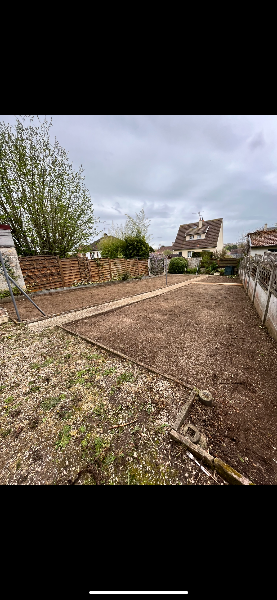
<point>52,402</point>
<point>82,428</point>
<point>100,445</point>
<point>9,400</point>
<point>110,458</point>
<point>125,377</point>
<point>34,366</point>
<point>108,371</point>
<point>18,464</point>
<point>5,432</point>
<point>34,388</point>
<point>64,437</point>
<point>2,387</point>
<point>93,356</point>
<point>47,362</point>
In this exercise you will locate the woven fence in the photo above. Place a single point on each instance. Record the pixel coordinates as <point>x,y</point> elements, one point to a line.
<point>51,272</point>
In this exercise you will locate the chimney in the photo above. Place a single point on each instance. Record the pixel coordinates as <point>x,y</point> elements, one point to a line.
<point>265,226</point>
<point>200,222</point>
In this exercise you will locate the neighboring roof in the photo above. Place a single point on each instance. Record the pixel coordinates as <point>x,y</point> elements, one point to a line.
<point>264,237</point>
<point>162,248</point>
<point>210,227</point>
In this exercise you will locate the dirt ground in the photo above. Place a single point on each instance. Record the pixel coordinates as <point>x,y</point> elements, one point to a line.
<point>59,302</point>
<point>71,414</point>
<point>209,336</point>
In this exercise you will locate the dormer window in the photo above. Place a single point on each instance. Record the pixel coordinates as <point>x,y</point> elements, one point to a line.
<point>199,236</point>
<point>191,237</point>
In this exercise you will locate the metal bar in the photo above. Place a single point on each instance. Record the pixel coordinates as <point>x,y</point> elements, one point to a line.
<point>166,269</point>
<point>22,291</point>
<point>9,285</point>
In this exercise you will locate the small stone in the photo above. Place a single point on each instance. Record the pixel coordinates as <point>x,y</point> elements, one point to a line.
<point>205,397</point>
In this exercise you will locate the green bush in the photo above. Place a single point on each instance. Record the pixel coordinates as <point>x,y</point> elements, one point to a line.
<point>221,271</point>
<point>178,266</point>
<point>192,270</point>
<point>135,246</point>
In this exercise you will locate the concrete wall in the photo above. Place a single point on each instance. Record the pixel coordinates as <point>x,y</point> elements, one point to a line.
<point>8,251</point>
<point>271,319</point>
<point>265,300</point>
<point>259,300</point>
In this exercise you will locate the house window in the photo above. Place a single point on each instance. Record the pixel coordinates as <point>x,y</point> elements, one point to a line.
<point>180,253</point>
<point>199,236</point>
<point>191,237</point>
<point>189,253</point>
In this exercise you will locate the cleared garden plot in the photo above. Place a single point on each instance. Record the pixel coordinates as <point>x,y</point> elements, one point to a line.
<point>210,337</point>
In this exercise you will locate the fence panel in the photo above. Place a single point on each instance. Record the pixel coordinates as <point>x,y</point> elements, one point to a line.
<point>41,272</point>
<point>51,272</point>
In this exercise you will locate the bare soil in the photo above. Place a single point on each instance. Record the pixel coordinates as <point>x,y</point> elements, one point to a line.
<point>56,303</point>
<point>71,414</point>
<point>209,336</point>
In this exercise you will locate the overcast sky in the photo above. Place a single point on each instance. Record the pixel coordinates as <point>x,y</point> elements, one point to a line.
<point>174,166</point>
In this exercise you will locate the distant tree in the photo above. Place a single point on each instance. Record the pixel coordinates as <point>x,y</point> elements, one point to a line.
<point>243,244</point>
<point>111,247</point>
<point>133,227</point>
<point>135,246</point>
<point>44,201</point>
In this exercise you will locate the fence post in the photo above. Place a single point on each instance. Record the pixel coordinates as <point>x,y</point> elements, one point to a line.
<point>138,267</point>
<point>268,294</point>
<point>249,272</point>
<point>110,268</point>
<point>61,271</point>
<point>256,281</point>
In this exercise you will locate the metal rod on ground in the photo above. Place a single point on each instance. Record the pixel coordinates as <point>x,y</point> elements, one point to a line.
<point>24,293</point>
<point>9,285</point>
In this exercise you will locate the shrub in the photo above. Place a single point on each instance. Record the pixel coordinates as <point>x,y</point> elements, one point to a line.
<point>135,246</point>
<point>178,265</point>
<point>221,271</point>
<point>192,270</point>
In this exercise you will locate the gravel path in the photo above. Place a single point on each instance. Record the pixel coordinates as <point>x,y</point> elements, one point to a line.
<point>106,307</point>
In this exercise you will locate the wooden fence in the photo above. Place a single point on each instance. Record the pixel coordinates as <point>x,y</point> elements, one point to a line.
<point>51,272</point>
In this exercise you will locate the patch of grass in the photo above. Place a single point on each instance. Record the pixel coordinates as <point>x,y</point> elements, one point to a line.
<point>9,399</point>
<point>2,387</point>
<point>82,428</point>
<point>35,366</point>
<point>34,388</point>
<point>109,371</point>
<point>99,410</point>
<point>52,402</point>
<point>47,362</point>
<point>125,377</point>
<point>100,446</point>
<point>64,437</point>
<point>5,432</point>
<point>94,356</point>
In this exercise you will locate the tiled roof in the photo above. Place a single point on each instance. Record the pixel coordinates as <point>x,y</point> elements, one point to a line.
<point>211,227</point>
<point>266,237</point>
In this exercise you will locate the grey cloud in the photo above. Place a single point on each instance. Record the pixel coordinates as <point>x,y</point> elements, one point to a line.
<point>174,166</point>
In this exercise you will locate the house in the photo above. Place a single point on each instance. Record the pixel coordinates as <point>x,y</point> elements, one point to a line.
<point>262,240</point>
<point>94,251</point>
<point>199,236</point>
<point>163,248</point>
